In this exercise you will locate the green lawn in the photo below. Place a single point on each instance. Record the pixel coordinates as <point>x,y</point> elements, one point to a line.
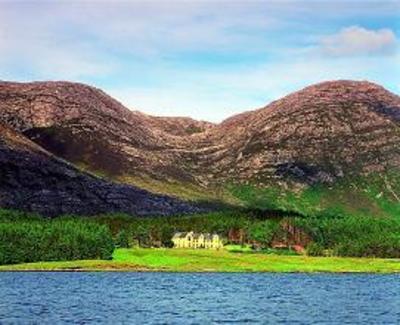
<point>185,260</point>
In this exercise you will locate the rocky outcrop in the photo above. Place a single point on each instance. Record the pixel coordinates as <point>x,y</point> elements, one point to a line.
<point>177,126</point>
<point>31,179</point>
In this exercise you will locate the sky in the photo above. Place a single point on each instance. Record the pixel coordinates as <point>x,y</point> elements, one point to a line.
<point>198,58</point>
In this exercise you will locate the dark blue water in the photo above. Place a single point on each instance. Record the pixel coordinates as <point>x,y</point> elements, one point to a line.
<point>166,298</point>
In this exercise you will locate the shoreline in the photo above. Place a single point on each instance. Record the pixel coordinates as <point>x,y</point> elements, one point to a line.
<point>208,261</point>
<point>194,272</point>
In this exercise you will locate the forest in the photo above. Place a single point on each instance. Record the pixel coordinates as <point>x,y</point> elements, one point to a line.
<point>28,237</point>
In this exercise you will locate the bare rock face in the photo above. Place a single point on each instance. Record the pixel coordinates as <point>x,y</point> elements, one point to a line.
<point>31,179</point>
<point>317,135</point>
<point>178,126</point>
<point>85,126</point>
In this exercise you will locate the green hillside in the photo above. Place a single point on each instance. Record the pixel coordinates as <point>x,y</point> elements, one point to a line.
<point>375,195</point>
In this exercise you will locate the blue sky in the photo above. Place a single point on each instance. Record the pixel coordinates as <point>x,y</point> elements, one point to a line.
<point>198,58</point>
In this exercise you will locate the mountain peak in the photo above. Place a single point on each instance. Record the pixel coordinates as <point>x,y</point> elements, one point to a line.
<point>40,104</point>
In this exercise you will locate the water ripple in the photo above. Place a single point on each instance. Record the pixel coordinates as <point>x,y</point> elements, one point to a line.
<point>170,298</point>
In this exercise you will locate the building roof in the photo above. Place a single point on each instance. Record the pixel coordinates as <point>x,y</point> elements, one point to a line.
<point>179,235</point>
<point>195,235</point>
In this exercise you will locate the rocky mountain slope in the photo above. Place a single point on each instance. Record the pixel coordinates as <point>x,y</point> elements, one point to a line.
<point>322,134</point>
<point>34,180</point>
<point>319,134</point>
<point>85,126</point>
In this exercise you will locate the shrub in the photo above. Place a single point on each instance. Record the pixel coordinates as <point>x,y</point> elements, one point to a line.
<point>122,239</point>
<point>263,232</point>
<point>315,249</point>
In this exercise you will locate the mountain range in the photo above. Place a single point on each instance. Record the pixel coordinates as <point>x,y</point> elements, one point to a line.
<point>70,148</point>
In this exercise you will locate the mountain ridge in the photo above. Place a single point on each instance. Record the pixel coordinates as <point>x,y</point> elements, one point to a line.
<point>318,135</point>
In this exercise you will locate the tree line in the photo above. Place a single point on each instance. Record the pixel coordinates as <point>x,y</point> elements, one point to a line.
<point>29,239</point>
<point>353,236</point>
<point>350,236</point>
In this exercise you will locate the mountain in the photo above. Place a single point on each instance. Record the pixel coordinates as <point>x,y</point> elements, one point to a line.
<point>319,134</point>
<point>330,134</point>
<point>90,129</point>
<point>34,180</point>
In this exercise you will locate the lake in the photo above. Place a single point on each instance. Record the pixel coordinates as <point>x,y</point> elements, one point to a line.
<point>198,298</point>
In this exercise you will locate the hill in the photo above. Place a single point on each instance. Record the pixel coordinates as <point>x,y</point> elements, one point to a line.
<point>34,180</point>
<point>95,132</point>
<point>319,134</point>
<point>333,145</point>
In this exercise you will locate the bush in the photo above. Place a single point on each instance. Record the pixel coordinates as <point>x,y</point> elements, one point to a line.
<point>263,232</point>
<point>280,251</point>
<point>122,239</point>
<point>57,240</point>
<point>315,249</point>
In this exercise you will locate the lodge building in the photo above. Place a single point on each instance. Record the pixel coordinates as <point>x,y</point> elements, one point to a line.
<point>197,240</point>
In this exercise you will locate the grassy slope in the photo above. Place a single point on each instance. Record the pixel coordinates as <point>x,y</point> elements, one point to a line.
<point>183,190</point>
<point>181,260</point>
<point>374,195</point>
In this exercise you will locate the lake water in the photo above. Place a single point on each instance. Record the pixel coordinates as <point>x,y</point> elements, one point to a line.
<point>182,298</point>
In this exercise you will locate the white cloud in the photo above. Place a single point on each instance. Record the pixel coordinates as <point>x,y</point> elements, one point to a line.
<point>38,47</point>
<point>355,40</point>
<point>168,58</point>
<point>80,39</point>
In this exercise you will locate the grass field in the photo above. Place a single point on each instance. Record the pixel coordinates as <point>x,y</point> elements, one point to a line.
<point>184,260</point>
